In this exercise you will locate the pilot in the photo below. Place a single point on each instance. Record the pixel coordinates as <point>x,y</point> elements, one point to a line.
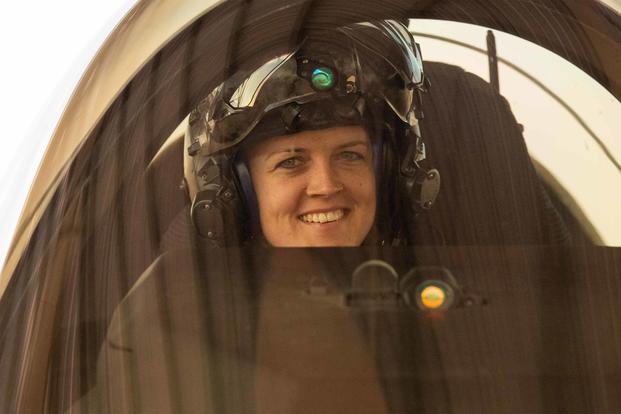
<point>317,147</point>
<point>320,146</point>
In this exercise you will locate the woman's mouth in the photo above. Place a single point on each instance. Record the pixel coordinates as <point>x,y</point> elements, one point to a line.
<point>323,217</point>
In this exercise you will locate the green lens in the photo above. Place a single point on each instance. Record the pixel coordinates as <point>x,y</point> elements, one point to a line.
<point>322,79</point>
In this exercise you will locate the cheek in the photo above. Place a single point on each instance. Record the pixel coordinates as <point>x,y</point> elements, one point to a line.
<point>278,202</point>
<point>370,198</point>
<point>276,197</point>
<point>366,189</point>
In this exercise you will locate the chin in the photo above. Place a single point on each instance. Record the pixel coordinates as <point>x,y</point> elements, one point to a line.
<point>314,243</point>
<point>331,243</point>
<point>312,239</point>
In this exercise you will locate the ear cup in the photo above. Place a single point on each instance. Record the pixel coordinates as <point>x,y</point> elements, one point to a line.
<point>249,200</point>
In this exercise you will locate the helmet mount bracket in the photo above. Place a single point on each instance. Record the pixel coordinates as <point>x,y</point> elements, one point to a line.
<point>421,185</point>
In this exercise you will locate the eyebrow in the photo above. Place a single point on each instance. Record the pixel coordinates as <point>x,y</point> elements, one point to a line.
<point>353,143</point>
<point>280,151</point>
<point>347,144</point>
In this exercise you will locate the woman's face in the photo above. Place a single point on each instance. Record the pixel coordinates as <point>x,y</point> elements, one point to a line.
<point>315,188</point>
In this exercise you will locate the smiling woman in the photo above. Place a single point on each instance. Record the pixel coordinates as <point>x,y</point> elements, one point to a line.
<point>293,152</point>
<point>315,188</point>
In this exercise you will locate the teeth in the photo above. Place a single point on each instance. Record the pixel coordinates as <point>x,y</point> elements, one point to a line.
<point>323,217</point>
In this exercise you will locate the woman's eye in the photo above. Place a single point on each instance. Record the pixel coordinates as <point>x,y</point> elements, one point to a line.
<point>350,156</point>
<point>289,163</point>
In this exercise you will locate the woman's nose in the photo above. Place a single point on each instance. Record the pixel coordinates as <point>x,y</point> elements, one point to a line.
<point>323,180</point>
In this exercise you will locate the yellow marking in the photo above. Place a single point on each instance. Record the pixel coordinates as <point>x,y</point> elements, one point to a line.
<point>433,297</point>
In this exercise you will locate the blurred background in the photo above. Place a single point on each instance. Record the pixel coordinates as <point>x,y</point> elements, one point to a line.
<point>45,46</point>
